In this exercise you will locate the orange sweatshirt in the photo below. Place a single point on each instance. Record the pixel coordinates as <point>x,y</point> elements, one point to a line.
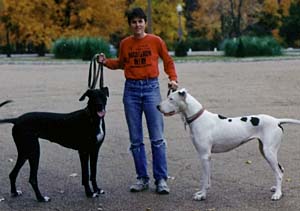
<point>139,58</point>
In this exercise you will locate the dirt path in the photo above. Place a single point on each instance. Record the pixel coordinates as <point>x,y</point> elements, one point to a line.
<point>228,88</point>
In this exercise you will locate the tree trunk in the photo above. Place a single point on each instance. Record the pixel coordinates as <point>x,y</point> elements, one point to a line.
<point>8,48</point>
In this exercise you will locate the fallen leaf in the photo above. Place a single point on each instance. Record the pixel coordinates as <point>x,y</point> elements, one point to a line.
<point>73,175</point>
<point>248,162</point>
<point>170,177</point>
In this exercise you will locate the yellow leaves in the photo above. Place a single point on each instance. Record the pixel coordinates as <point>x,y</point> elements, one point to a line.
<point>270,6</point>
<point>35,21</point>
<point>86,14</point>
<point>275,34</point>
<point>38,21</point>
<point>285,5</point>
<point>165,20</point>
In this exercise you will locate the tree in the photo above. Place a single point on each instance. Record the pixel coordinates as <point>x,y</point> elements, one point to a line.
<point>290,29</point>
<point>91,18</point>
<point>27,22</point>
<point>225,18</point>
<point>164,18</point>
<point>38,23</point>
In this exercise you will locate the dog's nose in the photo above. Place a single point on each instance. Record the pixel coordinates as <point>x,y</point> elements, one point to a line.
<point>158,107</point>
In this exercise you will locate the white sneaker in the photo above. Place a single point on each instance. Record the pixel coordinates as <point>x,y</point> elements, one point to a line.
<point>139,186</point>
<point>162,187</point>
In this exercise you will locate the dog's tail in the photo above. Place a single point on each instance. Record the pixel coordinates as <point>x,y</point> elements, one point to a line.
<point>11,120</point>
<point>289,121</point>
<point>5,102</point>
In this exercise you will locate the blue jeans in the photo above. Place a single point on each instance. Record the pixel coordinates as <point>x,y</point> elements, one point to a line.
<point>141,97</point>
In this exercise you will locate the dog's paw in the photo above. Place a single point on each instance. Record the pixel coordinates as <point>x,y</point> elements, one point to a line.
<point>47,199</point>
<point>100,191</point>
<point>44,199</point>
<point>200,196</point>
<point>95,195</point>
<point>17,193</point>
<point>276,196</point>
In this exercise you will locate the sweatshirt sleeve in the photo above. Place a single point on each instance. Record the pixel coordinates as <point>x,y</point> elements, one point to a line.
<point>169,66</point>
<point>113,64</point>
<point>116,63</point>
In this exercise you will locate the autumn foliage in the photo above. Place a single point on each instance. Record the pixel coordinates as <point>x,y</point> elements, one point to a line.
<point>41,22</point>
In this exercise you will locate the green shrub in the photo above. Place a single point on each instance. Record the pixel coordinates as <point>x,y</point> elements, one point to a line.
<point>199,44</point>
<point>246,46</point>
<point>91,46</point>
<point>181,49</point>
<point>79,48</point>
<point>66,48</point>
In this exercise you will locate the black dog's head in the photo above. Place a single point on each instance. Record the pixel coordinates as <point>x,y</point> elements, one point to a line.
<point>97,100</point>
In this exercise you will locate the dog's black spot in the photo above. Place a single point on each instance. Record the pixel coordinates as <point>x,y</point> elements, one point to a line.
<point>222,117</point>
<point>244,119</point>
<point>280,167</point>
<point>254,121</point>
<point>229,120</point>
<point>279,125</point>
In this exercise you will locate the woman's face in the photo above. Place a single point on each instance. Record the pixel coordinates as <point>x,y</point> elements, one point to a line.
<point>137,26</point>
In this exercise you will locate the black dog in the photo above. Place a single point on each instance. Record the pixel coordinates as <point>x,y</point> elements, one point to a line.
<point>82,130</point>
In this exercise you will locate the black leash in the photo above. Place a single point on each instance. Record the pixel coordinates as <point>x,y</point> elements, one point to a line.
<point>170,89</point>
<point>94,73</point>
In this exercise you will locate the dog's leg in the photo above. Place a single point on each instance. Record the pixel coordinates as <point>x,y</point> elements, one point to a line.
<point>93,167</point>
<point>270,154</point>
<point>13,175</point>
<point>206,167</point>
<point>34,159</point>
<point>22,157</point>
<point>278,170</point>
<point>84,160</point>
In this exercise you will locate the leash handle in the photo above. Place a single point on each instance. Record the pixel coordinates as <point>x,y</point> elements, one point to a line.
<point>94,73</point>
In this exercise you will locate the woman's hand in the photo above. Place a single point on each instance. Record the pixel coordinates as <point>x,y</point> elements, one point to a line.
<point>101,58</point>
<point>173,85</point>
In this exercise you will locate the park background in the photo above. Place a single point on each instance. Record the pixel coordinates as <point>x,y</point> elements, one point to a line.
<point>229,86</point>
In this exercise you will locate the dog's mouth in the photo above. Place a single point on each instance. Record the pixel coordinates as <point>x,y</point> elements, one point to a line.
<point>101,113</point>
<point>171,113</point>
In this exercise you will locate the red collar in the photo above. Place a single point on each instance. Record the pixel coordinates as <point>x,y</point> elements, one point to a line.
<point>189,120</point>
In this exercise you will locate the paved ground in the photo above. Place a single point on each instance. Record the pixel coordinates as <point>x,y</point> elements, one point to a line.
<point>228,88</point>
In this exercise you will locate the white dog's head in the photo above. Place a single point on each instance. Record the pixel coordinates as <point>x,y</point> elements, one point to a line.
<point>175,103</point>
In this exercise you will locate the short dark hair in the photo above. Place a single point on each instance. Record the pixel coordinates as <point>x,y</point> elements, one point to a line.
<point>136,12</point>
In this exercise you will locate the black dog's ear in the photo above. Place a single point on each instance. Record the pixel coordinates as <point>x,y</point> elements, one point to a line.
<point>83,96</point>
<point>106,91</point>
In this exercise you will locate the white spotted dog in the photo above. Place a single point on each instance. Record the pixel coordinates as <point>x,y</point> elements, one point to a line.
<point>213,133</point>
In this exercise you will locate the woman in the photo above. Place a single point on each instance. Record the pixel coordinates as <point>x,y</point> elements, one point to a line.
<point>139,57</point>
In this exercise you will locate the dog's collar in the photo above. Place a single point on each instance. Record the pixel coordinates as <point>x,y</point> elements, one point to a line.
<point>189,120</point>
